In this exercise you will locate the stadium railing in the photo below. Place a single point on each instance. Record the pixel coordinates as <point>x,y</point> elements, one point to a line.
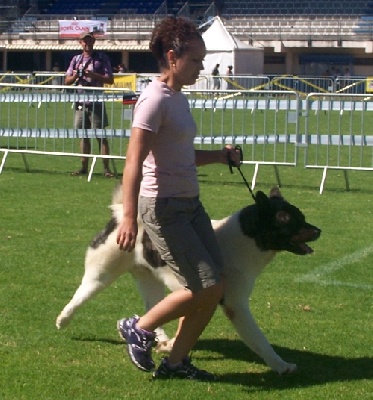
<point>338,133</point>
<point>39,119</point>
<point>274,127</point>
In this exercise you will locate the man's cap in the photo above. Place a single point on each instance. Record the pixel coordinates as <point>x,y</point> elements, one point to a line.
<point>86,34</point>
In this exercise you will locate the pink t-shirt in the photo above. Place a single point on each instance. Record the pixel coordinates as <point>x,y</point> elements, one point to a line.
<point>169,170</point>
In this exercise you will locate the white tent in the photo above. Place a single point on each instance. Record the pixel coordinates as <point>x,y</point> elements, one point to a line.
<point>224,49</point>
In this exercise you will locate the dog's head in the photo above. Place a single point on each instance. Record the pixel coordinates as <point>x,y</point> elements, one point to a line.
<point>275,224</point>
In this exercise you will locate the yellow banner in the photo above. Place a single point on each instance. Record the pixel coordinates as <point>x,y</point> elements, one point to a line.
<point>125,81</point>
<point>369,84</point>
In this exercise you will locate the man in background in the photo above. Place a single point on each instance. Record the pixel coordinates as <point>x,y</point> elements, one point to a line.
<point>90,68</point>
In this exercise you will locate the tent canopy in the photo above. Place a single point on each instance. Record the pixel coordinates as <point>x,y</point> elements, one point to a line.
<point>224,49</point>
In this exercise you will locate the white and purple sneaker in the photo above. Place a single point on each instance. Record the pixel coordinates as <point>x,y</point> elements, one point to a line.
<point>139,343</point>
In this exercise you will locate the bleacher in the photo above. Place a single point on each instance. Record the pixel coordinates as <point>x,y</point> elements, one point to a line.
<point>71,6</point>
<point>247,19</point>
<point>120,7</point>
<point>100,7</point>
<point>344,24</point>
<point>226,9</point>
<point>300,7</point>
<point>140,7</point>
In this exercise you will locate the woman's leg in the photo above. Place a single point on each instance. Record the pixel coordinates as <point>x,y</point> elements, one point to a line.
<point>181,231</point>
<point>197,310</point>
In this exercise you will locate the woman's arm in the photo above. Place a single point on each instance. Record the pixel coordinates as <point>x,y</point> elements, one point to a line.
<point>204,157</point>
<point>138,148</point>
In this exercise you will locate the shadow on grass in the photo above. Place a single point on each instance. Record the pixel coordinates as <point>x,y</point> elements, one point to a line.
<point>313,368</point>
<point>115,342</point>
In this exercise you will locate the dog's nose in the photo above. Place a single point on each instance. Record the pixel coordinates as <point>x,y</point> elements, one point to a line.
<point>317,232</point>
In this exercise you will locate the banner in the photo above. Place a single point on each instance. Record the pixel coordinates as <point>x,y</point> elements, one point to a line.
<point>73,28</point>
<point>369,85</point>
<point>126,81</point>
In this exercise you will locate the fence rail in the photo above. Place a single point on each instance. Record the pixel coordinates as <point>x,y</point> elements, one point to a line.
<point>302,84</point>
<point>339,134</point>
<point>332,131</point>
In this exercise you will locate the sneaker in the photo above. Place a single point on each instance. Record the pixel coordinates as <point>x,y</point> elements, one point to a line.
<point>139,343</point>
<point>186,370</point>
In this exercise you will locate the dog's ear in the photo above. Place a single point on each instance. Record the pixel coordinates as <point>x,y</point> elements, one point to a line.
<point>261,197</point>
<point>254,218</point>
<point>262,201</point>
<point>275,192</point>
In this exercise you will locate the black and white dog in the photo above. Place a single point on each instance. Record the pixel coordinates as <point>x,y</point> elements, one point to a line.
<point>249,240</point>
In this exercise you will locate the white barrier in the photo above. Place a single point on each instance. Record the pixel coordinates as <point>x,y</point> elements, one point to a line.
<point>271,126</point>
<point>39,119</point>
<point>338,130</point>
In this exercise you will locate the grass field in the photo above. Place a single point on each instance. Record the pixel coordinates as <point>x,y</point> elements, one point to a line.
<point>316,310</point>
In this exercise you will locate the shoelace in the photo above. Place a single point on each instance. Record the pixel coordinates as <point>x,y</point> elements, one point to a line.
<point>147,342</point>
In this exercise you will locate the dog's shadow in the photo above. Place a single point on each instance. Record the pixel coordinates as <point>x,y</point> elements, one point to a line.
<point>313,368</point>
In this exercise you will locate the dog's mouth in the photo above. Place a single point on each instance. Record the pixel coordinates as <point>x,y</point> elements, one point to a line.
<point>304,248</point>
<point>299,241</point>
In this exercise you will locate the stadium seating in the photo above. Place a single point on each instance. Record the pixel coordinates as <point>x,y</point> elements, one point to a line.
<point>70,6</point>
<point>300,7</point>
<point>142,7</point>
<point>247,19</point>
<point>225,8</point>
<point>102,7</point>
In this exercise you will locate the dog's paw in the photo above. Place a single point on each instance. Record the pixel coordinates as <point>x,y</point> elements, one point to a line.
<point>61,322</point>
<point>287,368</point>
<point>165,346</point>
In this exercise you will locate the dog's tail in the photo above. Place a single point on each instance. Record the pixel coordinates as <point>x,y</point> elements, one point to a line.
<point>117,196</point>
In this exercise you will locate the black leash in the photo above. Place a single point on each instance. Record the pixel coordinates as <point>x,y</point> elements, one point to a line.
<point>231,165</point>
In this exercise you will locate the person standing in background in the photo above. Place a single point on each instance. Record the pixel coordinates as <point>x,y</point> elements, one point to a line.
<point>122,69</point>
<point>229,74</point>
<point>216,77</point>
<point>90,69</point>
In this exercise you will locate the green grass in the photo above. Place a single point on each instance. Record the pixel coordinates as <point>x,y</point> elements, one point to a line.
<point>316,310</point>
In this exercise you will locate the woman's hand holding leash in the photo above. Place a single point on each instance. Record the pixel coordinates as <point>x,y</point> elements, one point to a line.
<point>234,156</point>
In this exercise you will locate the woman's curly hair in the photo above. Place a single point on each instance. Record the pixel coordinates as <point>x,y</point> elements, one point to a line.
<point>172,33</point>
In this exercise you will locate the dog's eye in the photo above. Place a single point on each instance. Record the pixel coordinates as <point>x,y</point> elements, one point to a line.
<point>282,217</point>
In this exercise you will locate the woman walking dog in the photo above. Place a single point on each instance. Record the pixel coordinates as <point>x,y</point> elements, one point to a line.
<point>160,183</point>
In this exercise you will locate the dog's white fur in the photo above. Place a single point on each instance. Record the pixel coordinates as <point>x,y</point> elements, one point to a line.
<point>243,264</point>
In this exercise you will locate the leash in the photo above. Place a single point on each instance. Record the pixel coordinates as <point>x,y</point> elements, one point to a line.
<point>231,165</point>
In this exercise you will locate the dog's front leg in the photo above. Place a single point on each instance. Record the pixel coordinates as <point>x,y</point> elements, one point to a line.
<point>240,315</point>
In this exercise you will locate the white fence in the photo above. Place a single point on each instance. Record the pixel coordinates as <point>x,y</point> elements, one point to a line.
<point>339,133</point>
<point>273,127</point>
<point>300,84</point>
<point>40,120</point>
